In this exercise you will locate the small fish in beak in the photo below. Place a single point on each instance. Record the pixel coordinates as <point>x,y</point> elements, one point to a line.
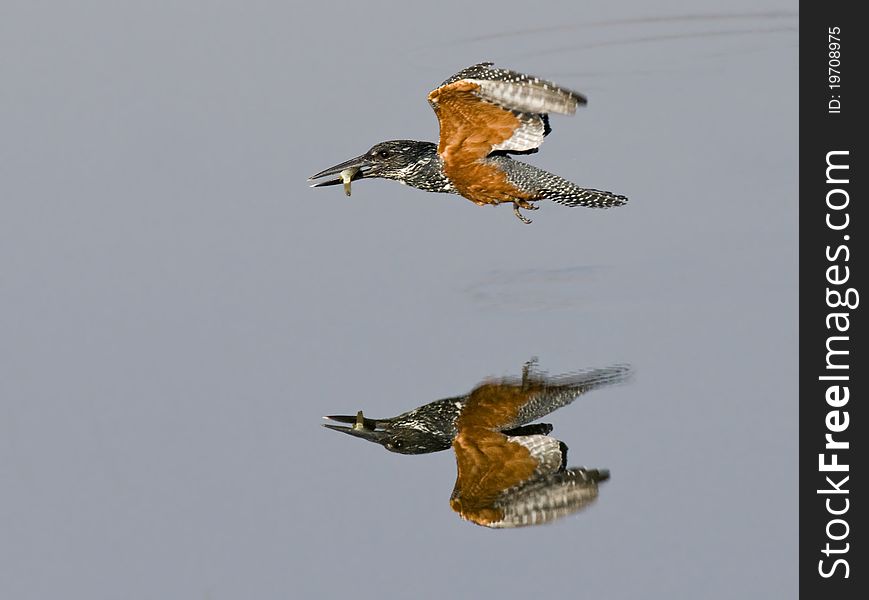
<point>347,176</point>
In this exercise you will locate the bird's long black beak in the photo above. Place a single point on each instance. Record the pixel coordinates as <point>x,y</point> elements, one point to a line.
<point>361,427</point>
<point>347,171</point>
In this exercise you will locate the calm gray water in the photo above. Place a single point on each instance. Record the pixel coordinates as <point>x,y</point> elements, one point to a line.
<point>179,309</point>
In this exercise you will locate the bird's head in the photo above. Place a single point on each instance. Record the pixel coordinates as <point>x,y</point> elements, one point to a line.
<point>401,435</point>
<point>395,159</point>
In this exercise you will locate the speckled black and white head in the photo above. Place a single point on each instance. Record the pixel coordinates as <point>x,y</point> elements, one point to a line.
<point>408,161</point>
<point>429,428</point>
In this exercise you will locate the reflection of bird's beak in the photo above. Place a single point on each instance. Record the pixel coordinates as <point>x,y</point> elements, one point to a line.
<point>347,171</point>
<point>362,427</point>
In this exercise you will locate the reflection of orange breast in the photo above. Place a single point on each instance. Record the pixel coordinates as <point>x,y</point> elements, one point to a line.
<point>496,405</point>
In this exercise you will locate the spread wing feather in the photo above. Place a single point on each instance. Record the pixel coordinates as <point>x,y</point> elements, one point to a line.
<point>550,497</point>
<point>512,482</point>
<point>515,119</point>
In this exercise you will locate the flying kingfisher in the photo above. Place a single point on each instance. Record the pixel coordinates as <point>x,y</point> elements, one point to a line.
<point>511,472</point>
<point>485,115</point>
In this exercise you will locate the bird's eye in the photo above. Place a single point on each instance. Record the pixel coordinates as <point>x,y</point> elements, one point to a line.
<point>384,153</point>
<point>397,444</point>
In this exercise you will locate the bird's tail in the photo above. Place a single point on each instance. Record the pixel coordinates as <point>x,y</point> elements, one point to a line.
<point>577,196</point>
<point>561,390</point>
<point>545,185</point>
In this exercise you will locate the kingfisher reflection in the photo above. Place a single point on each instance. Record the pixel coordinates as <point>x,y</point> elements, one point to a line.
<point>511,472</point>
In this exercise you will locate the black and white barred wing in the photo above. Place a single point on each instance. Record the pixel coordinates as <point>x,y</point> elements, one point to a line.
<point>525,100</point>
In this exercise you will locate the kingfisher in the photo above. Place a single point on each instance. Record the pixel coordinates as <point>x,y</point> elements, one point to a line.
<point>485,114</point>
<point>511,472</point>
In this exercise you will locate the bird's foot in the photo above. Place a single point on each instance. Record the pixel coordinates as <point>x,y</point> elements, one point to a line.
<point>526,206</point>
<point>526,371</point>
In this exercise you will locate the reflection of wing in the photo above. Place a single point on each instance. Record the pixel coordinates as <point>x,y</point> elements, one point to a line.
<point>551,497</point>
<point>515,481</point>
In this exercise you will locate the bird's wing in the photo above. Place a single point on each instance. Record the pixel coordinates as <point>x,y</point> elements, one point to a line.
<point>550,497</point>
<point>516,481</point>
<point>489,464</point>
<point>482,109</point>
